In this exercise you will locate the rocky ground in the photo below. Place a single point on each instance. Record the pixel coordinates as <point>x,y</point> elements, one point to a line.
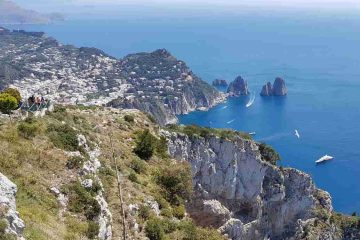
<point>155,82</point>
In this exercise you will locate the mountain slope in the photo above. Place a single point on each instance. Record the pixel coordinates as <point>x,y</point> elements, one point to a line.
<point>11,13</point>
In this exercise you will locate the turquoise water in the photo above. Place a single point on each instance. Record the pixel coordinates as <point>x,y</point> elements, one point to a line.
<point>317,56</point>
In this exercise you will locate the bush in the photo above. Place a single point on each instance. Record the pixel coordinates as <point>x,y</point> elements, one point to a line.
<point>175,182</point>
<point>166,212</point>
<point>162,148</point>
<point>154,229</point>
<point>7,103</point>
<point>133,177</point>
<point>268,153</point>
<point>138,166</point>
<point>179,211</point>
<point>74,162</point>
<point>64,137</point>
<point>13,92</point>
<point>81,201</point>
<point>129,118</point>
<point>145,145</point>
<point>28,129</point>
<point>208,234</point>
<point>93,230</point>
<point>144,212</point>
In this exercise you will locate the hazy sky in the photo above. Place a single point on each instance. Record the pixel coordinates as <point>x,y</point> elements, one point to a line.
<point>323,5</point>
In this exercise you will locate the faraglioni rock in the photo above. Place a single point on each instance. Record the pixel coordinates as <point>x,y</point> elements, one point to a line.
<point>238,87</point>
<point>219,83</point>
<point>278,89</point>
<point>267,90</point>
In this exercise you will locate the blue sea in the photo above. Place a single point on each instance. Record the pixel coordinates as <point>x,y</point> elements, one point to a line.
<point>317,55</point>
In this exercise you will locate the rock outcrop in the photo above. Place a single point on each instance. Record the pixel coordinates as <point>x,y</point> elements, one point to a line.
<point>8,208</point>
<point>238,87</point>
<point>220,83</point>
<point>243,195</point>
<point>278,89</point>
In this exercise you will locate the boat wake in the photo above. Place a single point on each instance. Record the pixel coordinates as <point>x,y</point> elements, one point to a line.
<point>297,133</point>
<point>251,101</point>
<point>230,121</point>
<point>224,107</point>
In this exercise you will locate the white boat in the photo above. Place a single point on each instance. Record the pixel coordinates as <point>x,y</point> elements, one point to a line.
<point>251,101</point>
<point>324,159</point>
<point>252,133</point>
<point>297,133</point>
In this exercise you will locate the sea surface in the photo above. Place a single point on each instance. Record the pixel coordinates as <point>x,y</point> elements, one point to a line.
<point>318,56</point>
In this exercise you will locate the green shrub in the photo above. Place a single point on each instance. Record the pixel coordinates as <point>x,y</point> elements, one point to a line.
<point>129,118</point>
<point>188,228</point>
<point>161,147</point>
<point>64,137</point>
<point>154,229</point>
<point>74,162</point>
<point>145,145</point>
<point>81,201</point>
<point>28,128</point>
<point>3,226</point>
<point>169,225</point>
<point>138,166</point>
<point>163,204</point>
<point>13,92</point>
<point>175,182</point>
<point>144,212</point>
<point>7,103</point>
<point>93,230</point>
<point>166,212</point>
<point>268,153</point>
<point>133,177</point>
<point>179,211</point>
<point>208,234</point>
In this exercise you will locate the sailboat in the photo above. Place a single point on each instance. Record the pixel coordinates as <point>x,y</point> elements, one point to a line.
<point>324,159</point>
<point>251,101</point>
<point>297,133</point>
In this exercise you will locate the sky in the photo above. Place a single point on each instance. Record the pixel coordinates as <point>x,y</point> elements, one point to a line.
<point>234,5</point>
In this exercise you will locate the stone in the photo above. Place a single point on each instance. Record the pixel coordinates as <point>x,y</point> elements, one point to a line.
<point>279,87</point>
<point>8,203</point>
<point>220,83</point>
<point>238,87</point>
<point>263,200</point>
<point>267,90</point>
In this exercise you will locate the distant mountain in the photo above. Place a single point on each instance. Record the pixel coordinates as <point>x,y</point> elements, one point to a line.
<point>11,13</point>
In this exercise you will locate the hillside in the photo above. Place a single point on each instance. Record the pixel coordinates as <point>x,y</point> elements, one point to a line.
<point>156,82</point>
<point>63,165</point>
<point>11,13</point>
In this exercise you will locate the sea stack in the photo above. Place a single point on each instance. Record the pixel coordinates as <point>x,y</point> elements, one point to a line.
<point>220,83</point>
<point>238,87</point>
<point>277,89</point>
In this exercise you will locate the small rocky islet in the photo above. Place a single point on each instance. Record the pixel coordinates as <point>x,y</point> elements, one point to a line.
<point>277,89</point>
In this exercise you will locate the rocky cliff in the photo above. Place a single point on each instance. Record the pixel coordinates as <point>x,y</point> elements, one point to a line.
<point>243,195</point>
<point>8,214</point>
<point>277,89</point>
<point>220,83</point>
<point>238,87</point>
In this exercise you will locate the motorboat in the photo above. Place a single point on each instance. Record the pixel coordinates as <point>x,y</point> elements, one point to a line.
<point>324,159</point>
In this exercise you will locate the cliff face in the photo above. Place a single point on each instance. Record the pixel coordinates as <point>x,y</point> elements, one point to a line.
<point>278,89</point>
<point>242,195</point>
<point>238,87</point>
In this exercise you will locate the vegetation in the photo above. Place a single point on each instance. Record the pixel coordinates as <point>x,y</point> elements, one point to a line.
<point>175,182</point>
<point>74,162</point>
<point>7,103</point>
<point>28,128</point>
<point>268,153</point>
<point>63,136</point>
<point>129,118</point>
<point>145,145</point>
<point>13,92</point>
<point>205,132</point>
<point>82,201</point>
